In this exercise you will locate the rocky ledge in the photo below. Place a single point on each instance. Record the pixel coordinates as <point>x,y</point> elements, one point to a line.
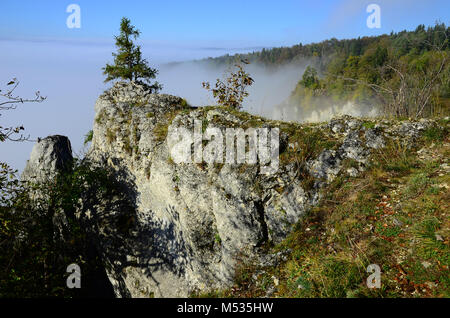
<point>189,224</point>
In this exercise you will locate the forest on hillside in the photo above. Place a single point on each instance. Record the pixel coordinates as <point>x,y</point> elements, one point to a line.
<point>403,74</point>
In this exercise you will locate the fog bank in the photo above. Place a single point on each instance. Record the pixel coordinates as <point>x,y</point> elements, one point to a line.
<point>271,87</point>
<point>268,96</point>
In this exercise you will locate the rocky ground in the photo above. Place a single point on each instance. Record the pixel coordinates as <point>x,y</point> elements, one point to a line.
<point>394,214</point>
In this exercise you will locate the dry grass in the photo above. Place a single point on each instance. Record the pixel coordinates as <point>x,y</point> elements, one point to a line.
<point>396,215</point>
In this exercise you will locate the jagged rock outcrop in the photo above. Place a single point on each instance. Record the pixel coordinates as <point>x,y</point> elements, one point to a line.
<point>173,228</point>
<point>193,222</point>
<point>49,156</point>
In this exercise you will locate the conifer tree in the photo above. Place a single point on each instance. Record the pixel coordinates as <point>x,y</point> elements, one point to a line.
<point>128,61</point>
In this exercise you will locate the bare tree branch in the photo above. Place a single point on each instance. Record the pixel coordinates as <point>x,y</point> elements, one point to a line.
<point>10,101</point>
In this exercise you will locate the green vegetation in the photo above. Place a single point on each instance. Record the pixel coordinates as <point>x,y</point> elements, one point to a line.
<point>161,128</point>
<point>436,133</point>
<point>128,61</point>
<point>395,215</point>
<point>14,223</point>
<point>110,135</point>
<point>310,79</point>
<point>407,73</point>
<point>101,116</point>
<point>218,239</point>
<point>233,90</point>
<point>35,249</point>
<point>88,137</point>
<point>184,103</point>
<point>160,131</point>
<point>406,78</point>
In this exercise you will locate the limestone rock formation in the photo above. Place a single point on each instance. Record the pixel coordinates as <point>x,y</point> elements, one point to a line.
<point>49,156</point>
<point>172,228</point>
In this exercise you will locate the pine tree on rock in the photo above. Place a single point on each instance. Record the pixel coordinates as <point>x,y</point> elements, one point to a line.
<point>128,61</point>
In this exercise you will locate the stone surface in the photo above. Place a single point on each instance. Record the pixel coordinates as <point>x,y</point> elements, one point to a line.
<point>198,221</point>
<point>49,156</point>
<point>194,222</point>
<point>374,139</point>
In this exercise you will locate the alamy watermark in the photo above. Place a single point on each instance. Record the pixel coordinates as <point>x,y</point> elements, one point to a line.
<point>229,146</point>
<point>374,279</point>
<point>374,19</point>
<point>74,279</point>
<point>74,19</point>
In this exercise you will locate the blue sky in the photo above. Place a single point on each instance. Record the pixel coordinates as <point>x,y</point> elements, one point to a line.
<point>65,64</point>
<point>201,23</point>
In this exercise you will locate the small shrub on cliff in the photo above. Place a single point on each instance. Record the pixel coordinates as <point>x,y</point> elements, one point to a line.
<point>88,137</point>
<point>233,90</point>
